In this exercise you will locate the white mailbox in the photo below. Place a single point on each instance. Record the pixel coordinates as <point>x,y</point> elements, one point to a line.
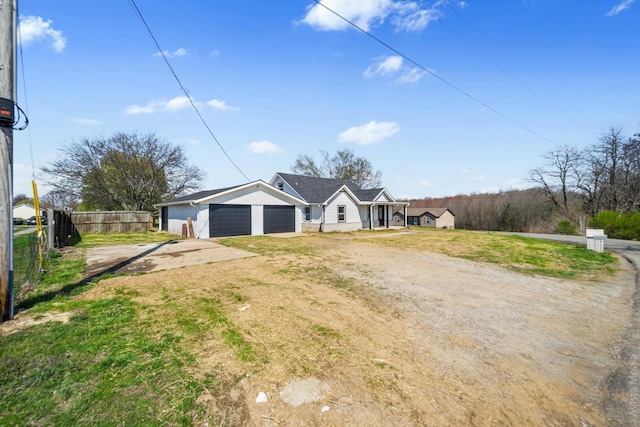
<point>595,239</point>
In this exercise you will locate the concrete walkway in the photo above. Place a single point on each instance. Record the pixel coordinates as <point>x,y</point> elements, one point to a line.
<point>157,256</point>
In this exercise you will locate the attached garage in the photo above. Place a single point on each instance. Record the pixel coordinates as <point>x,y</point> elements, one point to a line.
<point>229,220</point>
<point>279,219</point>
<point>250,209</point>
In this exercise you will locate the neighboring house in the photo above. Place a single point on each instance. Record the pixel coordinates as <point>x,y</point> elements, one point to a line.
<point>24,211</point>
<point>338,205</point>
<point>248,209</point>
<point>427,217</point>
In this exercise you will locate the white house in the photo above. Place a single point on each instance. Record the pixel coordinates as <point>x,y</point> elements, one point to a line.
<point>290,203</point>
<point>249,209</point>
<point>24,211</point>
<point>338,205</point>
<point>427,217</point>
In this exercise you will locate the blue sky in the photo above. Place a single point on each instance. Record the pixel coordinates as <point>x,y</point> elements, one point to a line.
<point>459,98</point>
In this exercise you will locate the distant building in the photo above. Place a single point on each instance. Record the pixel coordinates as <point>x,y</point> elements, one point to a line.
<point>24,211</point>
<point>427,217</point>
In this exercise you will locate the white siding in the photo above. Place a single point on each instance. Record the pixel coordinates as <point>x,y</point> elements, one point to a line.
<point>383,198</point>
<point>24,211</point>
<point>446,220</point>
<point>286,188</point>
<point>255,196</point>
<point>201,228</point>
<point>252,195</point>
<point>352,221</point>
<point>364,215</point>
<point>257,220</point>
<point>178,215</point>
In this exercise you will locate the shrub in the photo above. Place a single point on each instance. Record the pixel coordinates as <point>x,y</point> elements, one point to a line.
<point>566,227</point>
<point>617,225</point>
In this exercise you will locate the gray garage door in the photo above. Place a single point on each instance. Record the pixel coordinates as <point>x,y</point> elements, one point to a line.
<point>229,220</point>
<point>279,219</point>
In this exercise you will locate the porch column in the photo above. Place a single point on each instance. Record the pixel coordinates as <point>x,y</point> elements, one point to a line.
<point>371,217</point>
<point>386,217</point>
<point>406,209</point>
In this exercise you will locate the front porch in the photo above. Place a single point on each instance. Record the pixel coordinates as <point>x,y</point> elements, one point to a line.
<point>380,216</point>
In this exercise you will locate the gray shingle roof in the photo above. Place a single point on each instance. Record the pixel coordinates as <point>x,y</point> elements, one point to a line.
<point>318,190</point>
<point>436,212</point>
<point>368,195</point>
<point>199,195</point>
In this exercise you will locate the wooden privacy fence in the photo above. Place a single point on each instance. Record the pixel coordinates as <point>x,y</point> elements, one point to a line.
<point>111,222</point>
<point>68,224</point>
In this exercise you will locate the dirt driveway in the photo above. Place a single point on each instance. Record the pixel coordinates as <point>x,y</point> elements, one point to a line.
<point>399,337</point>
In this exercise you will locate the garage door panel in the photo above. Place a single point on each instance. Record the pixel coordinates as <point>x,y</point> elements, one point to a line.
<point>229,220</point>
<point>279,219</point>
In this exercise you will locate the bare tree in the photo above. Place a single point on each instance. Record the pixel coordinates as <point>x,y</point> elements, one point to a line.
<point>342,165</point>
<point>59,199</point>
<point>123,172</point>
<point>630,174</point>
<point>559,178</point>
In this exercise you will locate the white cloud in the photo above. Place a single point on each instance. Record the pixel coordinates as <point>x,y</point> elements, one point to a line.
<point>412,75</point>
<point>176,53</point>
<point>369,133</point>
<point>176,104</point>
<point>623,5</point>
<point>214,53</point>
<point>216,104</point>
<point>384,66</point>
<point>264,147</point>
<point>406,16</point>
<point>363,13</point>
<point>137,109</point>
<point>410,17</point>
<point>392,65</point>
<point>33,29</point>
<point>86,122</point>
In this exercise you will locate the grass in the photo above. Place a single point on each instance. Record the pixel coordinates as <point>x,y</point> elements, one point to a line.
<point>272,246</point>
<point>121,362</point>
<point>102,239</point>
<point>522,254</point>
<point>100,368</point>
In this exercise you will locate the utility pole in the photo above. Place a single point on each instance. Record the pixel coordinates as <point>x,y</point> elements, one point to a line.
<point>8,19</point>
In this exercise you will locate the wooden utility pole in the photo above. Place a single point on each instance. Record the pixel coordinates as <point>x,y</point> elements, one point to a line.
<point>8,14</point>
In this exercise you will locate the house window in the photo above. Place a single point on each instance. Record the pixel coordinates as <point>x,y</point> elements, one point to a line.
<point>427,220</point>
<point>307,213</point>
<point>280,185</point>
<point>342,213</point>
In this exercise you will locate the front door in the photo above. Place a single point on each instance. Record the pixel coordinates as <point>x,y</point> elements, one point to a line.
<point>381,216</point>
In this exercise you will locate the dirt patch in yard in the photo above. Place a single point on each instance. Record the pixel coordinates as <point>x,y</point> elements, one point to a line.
<point>365,335</point>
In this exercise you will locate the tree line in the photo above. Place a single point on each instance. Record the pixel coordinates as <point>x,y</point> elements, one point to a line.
<point>602,177</point>
<point>597,186</point>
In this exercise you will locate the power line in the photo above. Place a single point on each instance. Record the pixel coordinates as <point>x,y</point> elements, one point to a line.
<point>446,82</point>
<point>26,106</point>
<point>470,24</point>
<point>184,90</point>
